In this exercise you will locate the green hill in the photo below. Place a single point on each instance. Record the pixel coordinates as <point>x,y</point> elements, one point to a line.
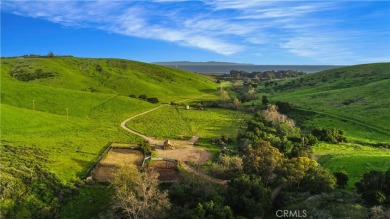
<point>58,115</point>
<point>355,99</point>
<point>94,92</point>
<point>112,76</point>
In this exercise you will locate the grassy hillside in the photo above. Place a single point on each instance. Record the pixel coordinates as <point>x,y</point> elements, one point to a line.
<point>352,158</point>
<point>57,116</point>
<point>95,94</point>
<point>355,99</point>
<point>113,76</point>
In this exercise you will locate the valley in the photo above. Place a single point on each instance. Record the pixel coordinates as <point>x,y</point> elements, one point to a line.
<point>59,114</point>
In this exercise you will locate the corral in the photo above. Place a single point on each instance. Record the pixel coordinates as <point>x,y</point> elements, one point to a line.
<point>122,154</point>
<point>115,157</point>
<point>168,171</point>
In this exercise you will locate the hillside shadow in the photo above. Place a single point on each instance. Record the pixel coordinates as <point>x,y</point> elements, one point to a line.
<point>208,90</point>
<point>84,164</point>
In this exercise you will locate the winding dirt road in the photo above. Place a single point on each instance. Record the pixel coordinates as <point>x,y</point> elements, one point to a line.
<point>155,141</point>
<point>147,138</point>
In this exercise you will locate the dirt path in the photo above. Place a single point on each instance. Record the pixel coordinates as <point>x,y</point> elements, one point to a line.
<point>159,142</point>
<point>275,192</point>
<point>149,139</point>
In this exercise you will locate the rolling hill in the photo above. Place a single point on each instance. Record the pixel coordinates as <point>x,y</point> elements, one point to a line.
<point>38,93</point>
<point>355,99</point>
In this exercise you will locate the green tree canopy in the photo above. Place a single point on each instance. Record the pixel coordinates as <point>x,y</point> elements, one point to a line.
<point>248,197</point>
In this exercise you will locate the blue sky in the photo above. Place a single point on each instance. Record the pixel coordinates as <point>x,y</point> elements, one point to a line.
<point>251,31</point>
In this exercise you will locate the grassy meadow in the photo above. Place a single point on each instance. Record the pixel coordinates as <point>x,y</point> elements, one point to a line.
<point>352,158</point>
<point>174,121</point>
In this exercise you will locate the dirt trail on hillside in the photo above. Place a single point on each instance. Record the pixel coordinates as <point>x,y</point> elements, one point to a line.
<point>147,138</point>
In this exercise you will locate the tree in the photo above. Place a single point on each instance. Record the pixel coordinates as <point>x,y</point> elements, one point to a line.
<point>145,148</point>
<point>224,95</point>
<point>50,54</point>
<point>331,135</point>
<point>342,178</point>
<point>283,107</point>
<point>294,170</point>
<point>236,103</point>
<point>137,194</point>
<point>251,94</point>
<point>265,100</point>
<point>262,159</point>
<point>318,180</point>
<point>374,197</point>
<point>248,197</point>
<point>271,114</point>
<point>211,209</point>
<point>153,100</point>
<point>375,186</point>
<point>142,97</point>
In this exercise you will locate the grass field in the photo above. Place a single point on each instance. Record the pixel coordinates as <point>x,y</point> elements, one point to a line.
<point>172,122</point>
<point>353,158</point>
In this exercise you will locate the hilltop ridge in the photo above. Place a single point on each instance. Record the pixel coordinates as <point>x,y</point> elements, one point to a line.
<point>114,76</point>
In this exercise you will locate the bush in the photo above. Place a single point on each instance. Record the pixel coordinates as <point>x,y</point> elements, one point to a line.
<point>153,100</point>
<point>331,135</point>
<point>374,197</point>
<point>318,180</point>
<point>374,187</point>
<point>341,178</point>
<point>145,148</point>
<point>142,97</point>
<point>283,107</point>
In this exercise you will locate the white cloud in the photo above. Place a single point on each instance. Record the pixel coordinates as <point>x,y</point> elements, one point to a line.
<point>223,26</point>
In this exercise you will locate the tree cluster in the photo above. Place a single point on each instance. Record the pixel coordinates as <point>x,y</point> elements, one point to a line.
<point>330,135</point>
<point>26,75</point>
<point>375,187</point>
<point>145,98</point>
<point>276,128</point>
<point>258,75</point>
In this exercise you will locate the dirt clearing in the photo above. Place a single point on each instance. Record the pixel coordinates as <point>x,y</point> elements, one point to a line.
<point>115,157</point>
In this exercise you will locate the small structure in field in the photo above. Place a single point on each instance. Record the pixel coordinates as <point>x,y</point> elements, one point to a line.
<point>187,107</point>
<point>167,145</point>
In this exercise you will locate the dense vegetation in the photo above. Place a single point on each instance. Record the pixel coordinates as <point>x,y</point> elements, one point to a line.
<point>259,76</point>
